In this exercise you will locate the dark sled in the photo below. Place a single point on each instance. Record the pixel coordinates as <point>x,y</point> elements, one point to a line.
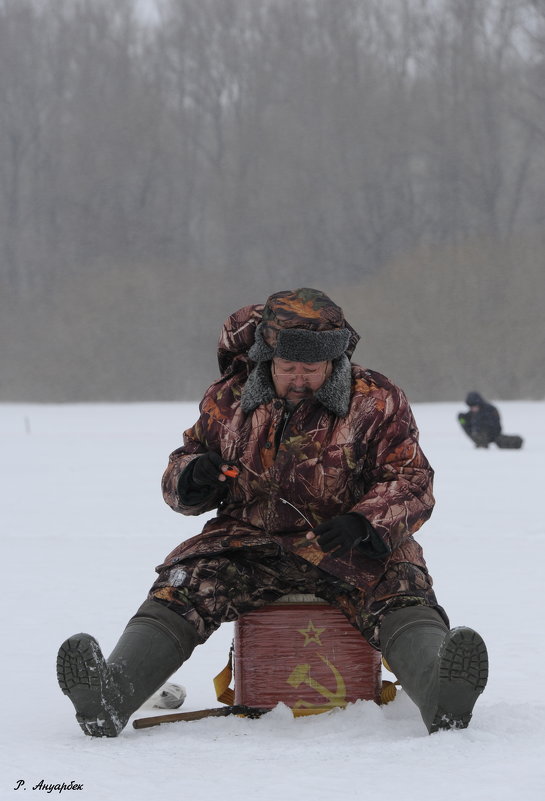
<point>509,441</point>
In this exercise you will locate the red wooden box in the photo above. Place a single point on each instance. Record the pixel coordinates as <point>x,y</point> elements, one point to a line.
<point>302,651</point>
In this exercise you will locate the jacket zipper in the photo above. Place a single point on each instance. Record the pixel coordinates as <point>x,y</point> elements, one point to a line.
<point>278,437</point>
<point>286,417</point>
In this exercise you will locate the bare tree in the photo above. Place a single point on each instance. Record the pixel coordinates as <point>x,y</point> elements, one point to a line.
<point>155,173</point>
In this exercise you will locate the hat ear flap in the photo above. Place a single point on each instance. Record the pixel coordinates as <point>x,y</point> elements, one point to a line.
<point>336,392</point>
<point>260,351</point>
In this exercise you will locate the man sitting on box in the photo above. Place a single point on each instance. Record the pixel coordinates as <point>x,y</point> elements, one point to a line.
<point>314,467</point>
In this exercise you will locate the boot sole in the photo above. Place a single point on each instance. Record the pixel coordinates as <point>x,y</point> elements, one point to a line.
<point>463,673</point>
<point>81,672</point>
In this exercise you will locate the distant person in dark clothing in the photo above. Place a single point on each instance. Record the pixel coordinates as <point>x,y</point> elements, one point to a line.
<point>482,424</point>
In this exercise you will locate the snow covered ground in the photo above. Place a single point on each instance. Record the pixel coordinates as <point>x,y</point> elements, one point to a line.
<point>83,524</point>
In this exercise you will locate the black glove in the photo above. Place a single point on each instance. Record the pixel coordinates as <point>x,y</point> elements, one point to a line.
<point>342,533</point>
<point>207,472</point>
<point>351,531</point>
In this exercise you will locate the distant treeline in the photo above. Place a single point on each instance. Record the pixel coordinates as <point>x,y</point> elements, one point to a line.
<point>158,171</point>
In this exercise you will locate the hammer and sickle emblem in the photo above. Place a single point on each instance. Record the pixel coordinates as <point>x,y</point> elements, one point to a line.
<point>301,675</point>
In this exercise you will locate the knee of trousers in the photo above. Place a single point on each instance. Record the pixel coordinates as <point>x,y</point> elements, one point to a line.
<point>398,620</point>
<point>177,627</point>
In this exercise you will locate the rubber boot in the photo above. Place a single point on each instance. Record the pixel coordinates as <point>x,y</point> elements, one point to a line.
<point>105,693</point>
<point>442,671</point>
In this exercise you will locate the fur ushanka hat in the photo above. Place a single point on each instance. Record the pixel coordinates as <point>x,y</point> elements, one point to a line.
<point>301,325</point>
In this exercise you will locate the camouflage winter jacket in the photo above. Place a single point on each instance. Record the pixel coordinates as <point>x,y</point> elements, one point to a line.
<point>313,465</point>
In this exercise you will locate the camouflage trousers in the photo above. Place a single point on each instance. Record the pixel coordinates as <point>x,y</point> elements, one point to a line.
<point>210,590</point>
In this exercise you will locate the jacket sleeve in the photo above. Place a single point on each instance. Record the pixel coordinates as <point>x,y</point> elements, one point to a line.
<point>399,478</point>
<point>175,478</point>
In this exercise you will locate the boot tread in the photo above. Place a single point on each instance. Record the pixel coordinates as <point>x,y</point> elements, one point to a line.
<point>463,673</point>
<point>81,673</point>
